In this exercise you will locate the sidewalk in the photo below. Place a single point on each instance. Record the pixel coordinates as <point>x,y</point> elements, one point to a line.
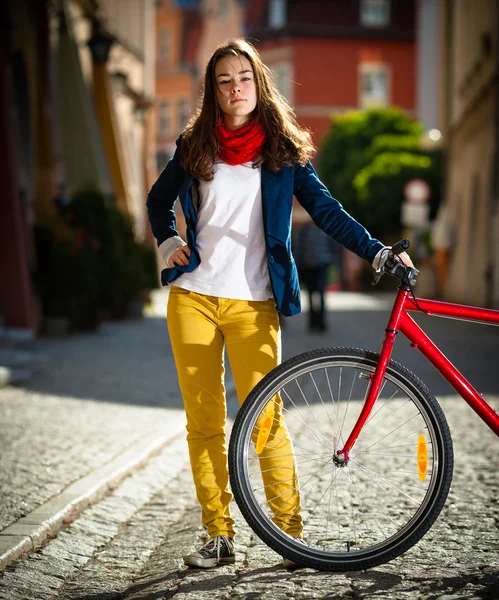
<point>95,410</point>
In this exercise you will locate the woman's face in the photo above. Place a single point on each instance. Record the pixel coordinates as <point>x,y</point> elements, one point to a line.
<point>236,89</point>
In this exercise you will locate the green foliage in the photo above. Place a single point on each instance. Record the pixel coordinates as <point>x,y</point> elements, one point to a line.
<point>54,269</point>
<point>67,260</point>
<point>89,260</point>
<point>126,267</point>
<point>120,263</point>
<point>383,180</point>
<point>390,142</point>
<point>148,269</point>
<point>366,160</point>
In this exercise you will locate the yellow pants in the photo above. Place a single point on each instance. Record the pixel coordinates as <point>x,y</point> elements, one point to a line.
<point>199,327</point>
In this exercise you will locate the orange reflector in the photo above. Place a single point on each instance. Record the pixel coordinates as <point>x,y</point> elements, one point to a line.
<point>263,434</point>
<point>422,457</point>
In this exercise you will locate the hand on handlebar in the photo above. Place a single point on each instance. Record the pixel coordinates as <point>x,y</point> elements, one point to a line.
<point>386,254</point>
<point>396,262</point>
<point>398,250</point>
<point>406,259</point>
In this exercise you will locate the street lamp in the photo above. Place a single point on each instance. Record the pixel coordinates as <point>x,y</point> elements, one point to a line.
<point>100,44</point>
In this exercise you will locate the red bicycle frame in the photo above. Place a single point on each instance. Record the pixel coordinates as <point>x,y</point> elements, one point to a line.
<point>401,321</point>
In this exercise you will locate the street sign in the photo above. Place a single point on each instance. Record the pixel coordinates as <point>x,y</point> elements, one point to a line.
<point>415,215</point>
<point>417,191</point>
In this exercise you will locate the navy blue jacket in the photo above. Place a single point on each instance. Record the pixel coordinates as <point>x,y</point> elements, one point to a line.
<point>277,201</point>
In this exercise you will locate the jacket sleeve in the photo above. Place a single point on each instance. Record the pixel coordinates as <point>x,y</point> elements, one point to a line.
<point>162,197</point>
<point>329,215</point>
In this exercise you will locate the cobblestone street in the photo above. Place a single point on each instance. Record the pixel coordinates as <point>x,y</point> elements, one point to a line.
<point>112,399</point>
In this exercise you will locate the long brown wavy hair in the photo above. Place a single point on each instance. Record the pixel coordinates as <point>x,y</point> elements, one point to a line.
<point>286,142</point>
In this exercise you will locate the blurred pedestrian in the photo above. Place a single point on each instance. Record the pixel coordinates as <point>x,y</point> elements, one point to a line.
<point>315,252</point>
<point>237,166</point>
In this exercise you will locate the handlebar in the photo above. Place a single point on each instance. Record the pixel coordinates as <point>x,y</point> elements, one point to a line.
<point>395,267</point>
<point>401,246</point>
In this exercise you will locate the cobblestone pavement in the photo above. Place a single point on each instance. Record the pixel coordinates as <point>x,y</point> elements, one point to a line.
<point>129,544</point>
<point>96,400</point>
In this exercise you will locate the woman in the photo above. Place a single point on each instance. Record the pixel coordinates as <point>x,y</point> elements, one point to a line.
<point>235,171</point>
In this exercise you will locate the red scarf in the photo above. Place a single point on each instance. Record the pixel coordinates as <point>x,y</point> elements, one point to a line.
<point>242,145</point>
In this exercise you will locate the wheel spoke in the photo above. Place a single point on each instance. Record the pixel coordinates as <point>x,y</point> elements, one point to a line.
<point>378,498</point>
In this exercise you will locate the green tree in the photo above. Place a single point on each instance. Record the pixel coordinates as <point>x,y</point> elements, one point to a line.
<point>380,188</point>
<point>90,262</point>
<point>126,268</point>
<point>367,158</point>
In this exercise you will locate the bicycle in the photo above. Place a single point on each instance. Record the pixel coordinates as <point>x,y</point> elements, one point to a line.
<point>372,454</point>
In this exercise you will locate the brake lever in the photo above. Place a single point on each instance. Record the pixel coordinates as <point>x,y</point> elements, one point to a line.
<point>386,268</point>
<point>396,267</point>
<point>411,275</point>
<point>406,274</point>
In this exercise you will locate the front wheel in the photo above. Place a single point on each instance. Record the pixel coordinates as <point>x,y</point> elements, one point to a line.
<point>315,509</point>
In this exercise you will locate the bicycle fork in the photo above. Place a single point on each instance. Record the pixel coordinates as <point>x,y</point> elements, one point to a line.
<point>342,456</point>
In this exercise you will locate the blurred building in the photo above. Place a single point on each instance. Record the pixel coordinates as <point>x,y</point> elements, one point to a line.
<point>116,53</point>
<point>429,60</point>
<point>187,33</point>
<point>470,38</point>
<point>76,88</point>
<point>330,57</point>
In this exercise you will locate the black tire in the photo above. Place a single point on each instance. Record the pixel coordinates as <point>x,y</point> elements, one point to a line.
<point>384,500</point>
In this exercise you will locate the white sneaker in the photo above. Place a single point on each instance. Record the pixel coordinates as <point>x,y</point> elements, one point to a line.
<point>218,550</point>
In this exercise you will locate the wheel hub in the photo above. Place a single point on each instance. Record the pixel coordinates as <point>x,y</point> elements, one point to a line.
<point>341,459</point>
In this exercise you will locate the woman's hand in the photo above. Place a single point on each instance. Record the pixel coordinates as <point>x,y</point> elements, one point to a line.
<point>179,258</point>
<point>406,259</point>
<point>382,256</point>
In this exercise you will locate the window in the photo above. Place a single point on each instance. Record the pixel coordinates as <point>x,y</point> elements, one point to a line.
<point>373,86</point>
<point>164,118</point>
<point>277,14</point>
<point>183,114</point>
<point>375,13</point>
<point>164,46</point>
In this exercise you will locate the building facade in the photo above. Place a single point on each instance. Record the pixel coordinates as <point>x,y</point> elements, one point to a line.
<point>76,88</point>
<point>187,33</point>
<point>116,51</point>
<point>332,57</point>
<point>470,38</point>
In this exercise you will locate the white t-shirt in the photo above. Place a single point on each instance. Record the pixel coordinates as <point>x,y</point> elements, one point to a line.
<point>230,237</point>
